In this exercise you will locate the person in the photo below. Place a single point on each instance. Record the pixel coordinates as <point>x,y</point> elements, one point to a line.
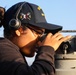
<point>24,24</point>
<point>2,10</point>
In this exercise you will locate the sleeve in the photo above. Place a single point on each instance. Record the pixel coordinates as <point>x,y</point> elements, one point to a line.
<point>43,64</point>
<point>12,63</point>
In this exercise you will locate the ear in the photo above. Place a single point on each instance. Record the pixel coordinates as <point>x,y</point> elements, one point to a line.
<point>17,32</point>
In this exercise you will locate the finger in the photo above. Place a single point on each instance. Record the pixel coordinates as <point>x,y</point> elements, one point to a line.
<point>59,37</point>
<point>49,35</point>
<point>65,39</point>
<point>57,34</point>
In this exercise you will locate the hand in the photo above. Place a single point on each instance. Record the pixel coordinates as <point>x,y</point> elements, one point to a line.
<point>54,40</point>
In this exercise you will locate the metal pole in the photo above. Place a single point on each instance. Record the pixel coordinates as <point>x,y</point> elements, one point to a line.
<point>67,31</point>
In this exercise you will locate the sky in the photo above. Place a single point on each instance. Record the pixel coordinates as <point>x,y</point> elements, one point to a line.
<point>60,12</point>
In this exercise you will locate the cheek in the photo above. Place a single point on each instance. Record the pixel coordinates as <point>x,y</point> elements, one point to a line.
<point>27,44</point>
<point>29,49</point>
<point>26,39</point>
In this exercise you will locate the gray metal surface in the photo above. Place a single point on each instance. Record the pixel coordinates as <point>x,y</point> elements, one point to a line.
<point>65,64</point>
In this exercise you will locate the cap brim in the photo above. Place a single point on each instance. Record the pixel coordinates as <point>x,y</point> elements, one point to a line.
<point>48,27</point>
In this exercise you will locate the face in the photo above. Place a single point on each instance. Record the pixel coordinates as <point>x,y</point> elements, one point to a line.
<point>26,41</point>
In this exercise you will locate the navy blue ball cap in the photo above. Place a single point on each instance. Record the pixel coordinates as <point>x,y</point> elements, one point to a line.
<point>32,14</point>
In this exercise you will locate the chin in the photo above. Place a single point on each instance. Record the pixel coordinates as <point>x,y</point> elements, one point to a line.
<point>28,54</point>
<point>31,55</point>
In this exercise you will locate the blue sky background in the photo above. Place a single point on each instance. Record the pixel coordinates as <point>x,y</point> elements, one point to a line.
<point>61,12</point>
